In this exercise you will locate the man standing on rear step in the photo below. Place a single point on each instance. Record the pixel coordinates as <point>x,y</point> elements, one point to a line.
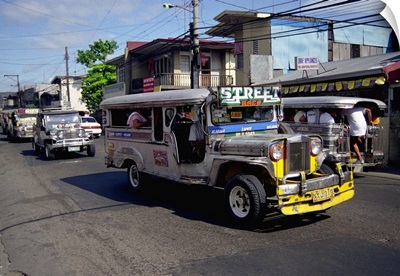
<point>358,128</point>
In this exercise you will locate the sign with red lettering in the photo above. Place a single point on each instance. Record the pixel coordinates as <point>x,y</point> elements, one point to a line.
<point>148,84</point>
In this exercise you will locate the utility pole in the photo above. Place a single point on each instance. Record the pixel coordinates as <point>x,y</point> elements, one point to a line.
<point>67,75</point>
<point>194,38</point>
<point>19,94</point>
<point>195,63</point>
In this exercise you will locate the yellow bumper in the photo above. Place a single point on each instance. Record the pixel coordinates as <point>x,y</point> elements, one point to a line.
<point>300,204</point>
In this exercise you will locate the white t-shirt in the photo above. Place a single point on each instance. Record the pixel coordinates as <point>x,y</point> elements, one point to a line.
<point>326,118</point>
<point>356,119</point>
<point>311,116</point>
<point>196,132</point>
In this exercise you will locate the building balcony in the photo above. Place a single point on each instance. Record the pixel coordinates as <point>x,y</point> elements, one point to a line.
<point>173,81</point>
<point>183,81</point>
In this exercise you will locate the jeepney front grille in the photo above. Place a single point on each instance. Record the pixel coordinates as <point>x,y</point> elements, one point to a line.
<point>299,156</point>
<point>70,135</point>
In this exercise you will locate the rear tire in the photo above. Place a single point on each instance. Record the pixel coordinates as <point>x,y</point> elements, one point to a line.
<point>134,178</point>
<point>245,200</point>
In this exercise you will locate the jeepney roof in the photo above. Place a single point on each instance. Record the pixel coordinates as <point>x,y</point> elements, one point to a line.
<point>329,102</point>
<point>56,112</point>
<point>162,98</point>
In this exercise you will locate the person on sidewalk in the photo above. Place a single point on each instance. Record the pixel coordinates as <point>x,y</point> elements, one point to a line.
<point>358,128</point>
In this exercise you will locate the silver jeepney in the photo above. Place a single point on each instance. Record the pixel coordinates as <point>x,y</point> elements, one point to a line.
<point>335,136</point>
<point>60,131</point>
<point>261,172</point>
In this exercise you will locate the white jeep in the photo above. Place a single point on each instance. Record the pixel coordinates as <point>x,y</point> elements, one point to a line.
<point>58,131</point>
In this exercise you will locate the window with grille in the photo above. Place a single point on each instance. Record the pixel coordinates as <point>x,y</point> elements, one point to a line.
<point>239,61</point>
<point>121,73</point>
<point>185,64</point>
<point>355,51</point>
<point>255,47</point>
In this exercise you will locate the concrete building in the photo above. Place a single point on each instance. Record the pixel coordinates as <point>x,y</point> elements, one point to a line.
<point>70,92</point>
<point>164,64</point>
<point>269,45</point>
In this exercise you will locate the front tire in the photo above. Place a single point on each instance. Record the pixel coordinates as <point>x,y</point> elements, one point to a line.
<point>49,153</point>
<point>91,150</point>
<point>325,169</point>
<point>36,149</point>
<point>245,200</point>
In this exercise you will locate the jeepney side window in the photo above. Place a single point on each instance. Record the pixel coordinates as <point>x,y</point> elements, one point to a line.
<point>169,116</point>
<point>119,117</point>
<point>158,124</point>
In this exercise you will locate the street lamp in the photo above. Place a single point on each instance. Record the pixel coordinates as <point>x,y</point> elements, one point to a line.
<point>170,6</point>
<point>194,39</point>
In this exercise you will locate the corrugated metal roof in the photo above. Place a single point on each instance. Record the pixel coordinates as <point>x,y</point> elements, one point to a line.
<point>337,70</point>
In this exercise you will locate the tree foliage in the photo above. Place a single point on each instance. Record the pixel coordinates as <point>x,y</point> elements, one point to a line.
<point>99,73</point>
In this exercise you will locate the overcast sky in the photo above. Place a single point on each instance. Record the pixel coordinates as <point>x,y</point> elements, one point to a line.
<point>34,33</point>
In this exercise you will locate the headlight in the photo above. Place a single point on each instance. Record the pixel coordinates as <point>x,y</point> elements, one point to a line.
<point>60,134</point>
<point>81,133</point>
<point>315,147</point>
<point>276,151</point>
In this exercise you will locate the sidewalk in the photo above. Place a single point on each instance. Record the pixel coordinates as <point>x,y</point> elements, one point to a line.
<point>390,172</point>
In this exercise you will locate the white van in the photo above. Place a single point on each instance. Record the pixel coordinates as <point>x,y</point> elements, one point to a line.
<point>261,172</point>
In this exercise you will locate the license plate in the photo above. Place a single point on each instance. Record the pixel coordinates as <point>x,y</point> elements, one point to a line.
<point>74,148</point>
<point>323,194</point>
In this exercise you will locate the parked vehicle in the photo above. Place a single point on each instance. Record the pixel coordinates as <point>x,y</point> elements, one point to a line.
<point>335,136</point>
<point>90,125</point>
<point>20,123</point>
<point>261,172</point>
<point>58,131</point>
<point>5,119</point>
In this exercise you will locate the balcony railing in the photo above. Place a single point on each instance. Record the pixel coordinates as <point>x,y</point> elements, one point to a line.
<point>183,80</point>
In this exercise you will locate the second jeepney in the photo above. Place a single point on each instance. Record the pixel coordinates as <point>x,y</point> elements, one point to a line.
<point>261,172</point>
<point>335,133</point>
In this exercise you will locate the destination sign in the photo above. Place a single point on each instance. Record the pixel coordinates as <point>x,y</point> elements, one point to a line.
<point>248,96</point>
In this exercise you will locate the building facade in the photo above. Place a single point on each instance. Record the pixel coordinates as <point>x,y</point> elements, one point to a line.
<point>268,45</point>
<point>165,64</point>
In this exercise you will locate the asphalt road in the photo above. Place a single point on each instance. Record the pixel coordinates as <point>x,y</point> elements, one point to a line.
<point>74,216</point>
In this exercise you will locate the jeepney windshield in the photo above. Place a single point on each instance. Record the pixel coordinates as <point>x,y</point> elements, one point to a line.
<point>234,115</point>
<point>26,119</point>
<point>61,119</point>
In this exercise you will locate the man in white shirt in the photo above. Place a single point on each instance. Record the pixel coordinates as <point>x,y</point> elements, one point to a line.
<point>358,127</point>
<point>327,117</point>
<point>312,116</point>
<point>196,138</point>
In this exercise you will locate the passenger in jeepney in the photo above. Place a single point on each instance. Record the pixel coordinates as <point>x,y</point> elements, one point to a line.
<point>196,138</point>
<point>300,117</point>
<point>358,123</point>
<point>137,119</point>
<point>311,116</point>
<point>327,117</point>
